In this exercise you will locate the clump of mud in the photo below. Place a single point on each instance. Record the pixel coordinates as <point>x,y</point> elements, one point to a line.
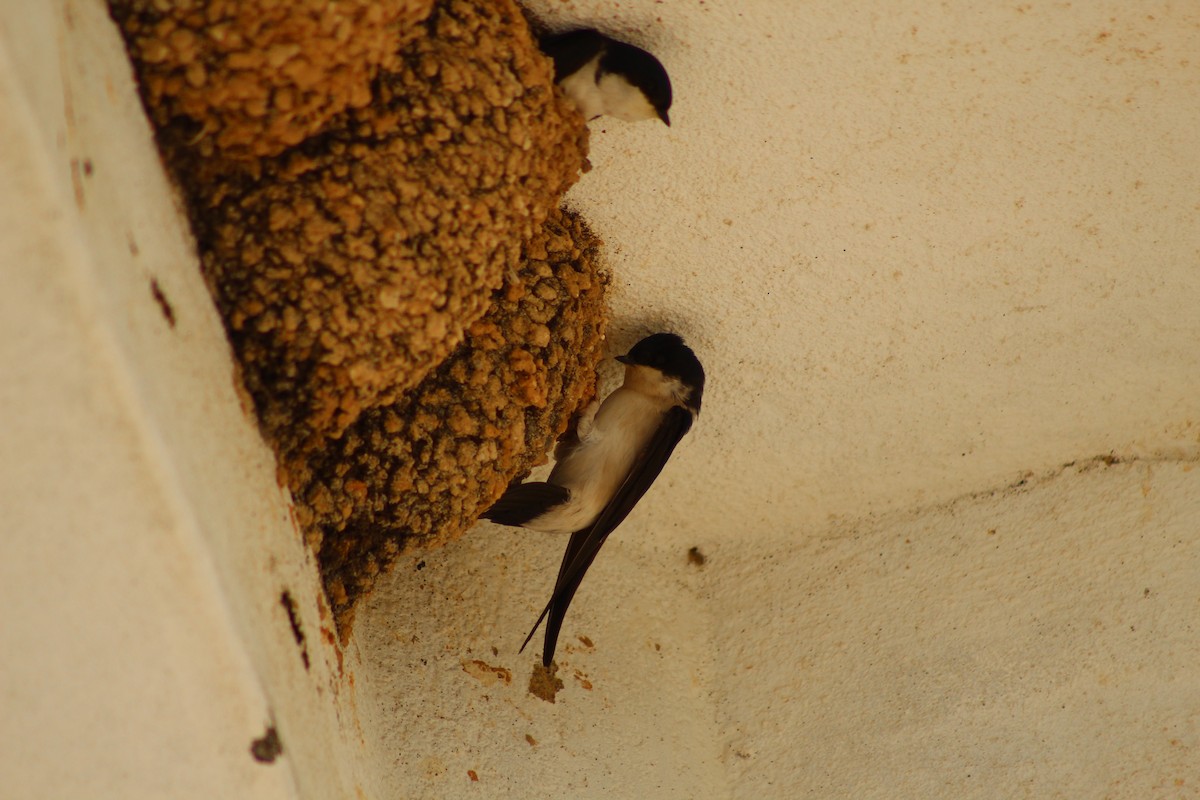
<point>416,471</point>
<point>247,79</point>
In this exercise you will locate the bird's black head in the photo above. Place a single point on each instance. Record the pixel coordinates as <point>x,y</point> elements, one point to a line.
<point>667,353</point>
<point>643,71</point>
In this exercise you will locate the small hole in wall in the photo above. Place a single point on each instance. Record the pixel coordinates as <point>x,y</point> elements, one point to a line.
<point>164,304</point>
<point>289,605</point>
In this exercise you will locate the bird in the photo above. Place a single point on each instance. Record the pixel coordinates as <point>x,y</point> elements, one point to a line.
<point>599,477</point>
<point>604,76</point>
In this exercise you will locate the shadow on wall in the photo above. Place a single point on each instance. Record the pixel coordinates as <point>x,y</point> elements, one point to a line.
<point>375,188</point>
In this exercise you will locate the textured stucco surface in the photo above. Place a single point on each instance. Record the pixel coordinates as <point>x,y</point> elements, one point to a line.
<point>925,255</point>
<point>1038,641</point>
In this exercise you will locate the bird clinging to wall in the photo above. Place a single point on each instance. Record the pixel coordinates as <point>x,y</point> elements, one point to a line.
<point>604,76</point>
<point>599,478</point>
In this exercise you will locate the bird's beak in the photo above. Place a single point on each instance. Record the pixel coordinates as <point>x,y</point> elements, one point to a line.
<point>663,116</point>
<point>625,360</point>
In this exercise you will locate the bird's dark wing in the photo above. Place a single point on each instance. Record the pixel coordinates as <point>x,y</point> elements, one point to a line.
<point>522,502</point>
<point>572,50</point>
<point>586,543</point>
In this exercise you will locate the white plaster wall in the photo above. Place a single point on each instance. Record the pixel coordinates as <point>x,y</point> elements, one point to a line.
<point>1037,641</point>
<point>924,253</point>
<point>1040,641</point>
<point>921,249</point>
<point>145,544</point>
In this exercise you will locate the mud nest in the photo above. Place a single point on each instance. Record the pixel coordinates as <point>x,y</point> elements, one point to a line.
<point>371,183</point>
<point>246,79</point>
<point>415,472</point>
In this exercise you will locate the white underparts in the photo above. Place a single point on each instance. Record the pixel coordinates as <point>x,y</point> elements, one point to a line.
<point>611,95</point>
<point>600,463</point>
